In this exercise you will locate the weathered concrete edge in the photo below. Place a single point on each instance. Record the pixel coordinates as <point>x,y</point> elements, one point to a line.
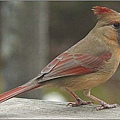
<point>17,108</point>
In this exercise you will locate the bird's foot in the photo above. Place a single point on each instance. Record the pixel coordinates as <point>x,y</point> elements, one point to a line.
<point>106,106</point>
<point>79,102</point>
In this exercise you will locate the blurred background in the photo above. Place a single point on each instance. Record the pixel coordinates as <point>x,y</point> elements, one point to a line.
<point>34,33</point>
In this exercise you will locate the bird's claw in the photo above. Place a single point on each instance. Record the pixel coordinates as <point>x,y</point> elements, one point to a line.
<point>75,104</point>
<point>106,106</point>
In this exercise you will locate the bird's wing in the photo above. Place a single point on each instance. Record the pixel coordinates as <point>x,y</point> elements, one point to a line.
<point>78,64</point>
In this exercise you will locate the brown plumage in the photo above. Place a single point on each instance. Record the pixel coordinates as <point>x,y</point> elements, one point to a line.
<point>90,62</point>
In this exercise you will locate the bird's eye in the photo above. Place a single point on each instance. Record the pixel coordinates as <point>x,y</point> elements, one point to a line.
<point>116,25</point>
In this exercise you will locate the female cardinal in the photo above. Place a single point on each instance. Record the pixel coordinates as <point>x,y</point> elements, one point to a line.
<point>90,62</point>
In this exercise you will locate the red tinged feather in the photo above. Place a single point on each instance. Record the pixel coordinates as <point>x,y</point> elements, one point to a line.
<point>53,63</point>
<point>77,64</point>
<point>19,90</point>
<point>76,71</point>
<point>106,56</point>
<point>101,10</point>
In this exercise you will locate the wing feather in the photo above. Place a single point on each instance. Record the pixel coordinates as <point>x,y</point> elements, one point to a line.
<point>78,64</point>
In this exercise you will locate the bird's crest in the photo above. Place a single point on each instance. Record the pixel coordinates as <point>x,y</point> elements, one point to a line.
<point>102,11</point>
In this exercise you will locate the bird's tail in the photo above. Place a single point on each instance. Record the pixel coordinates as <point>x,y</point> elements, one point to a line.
<point>20,89</point>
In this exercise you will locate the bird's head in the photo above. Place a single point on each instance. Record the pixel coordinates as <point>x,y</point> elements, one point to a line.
<point>108,23</point>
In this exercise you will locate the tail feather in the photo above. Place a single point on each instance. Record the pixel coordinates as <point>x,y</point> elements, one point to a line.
<point>16,91</point>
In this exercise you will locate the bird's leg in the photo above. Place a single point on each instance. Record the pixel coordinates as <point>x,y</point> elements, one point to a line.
<point>104,105</point>
<point>79,101</point>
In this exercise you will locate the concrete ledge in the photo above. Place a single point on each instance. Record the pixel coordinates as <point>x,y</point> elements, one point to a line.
<point>31,108</point>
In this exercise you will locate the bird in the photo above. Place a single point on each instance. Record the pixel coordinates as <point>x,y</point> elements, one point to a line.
<point>87,64</point>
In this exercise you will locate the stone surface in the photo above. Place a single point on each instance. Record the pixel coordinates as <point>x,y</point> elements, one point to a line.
<point>36,109</point>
